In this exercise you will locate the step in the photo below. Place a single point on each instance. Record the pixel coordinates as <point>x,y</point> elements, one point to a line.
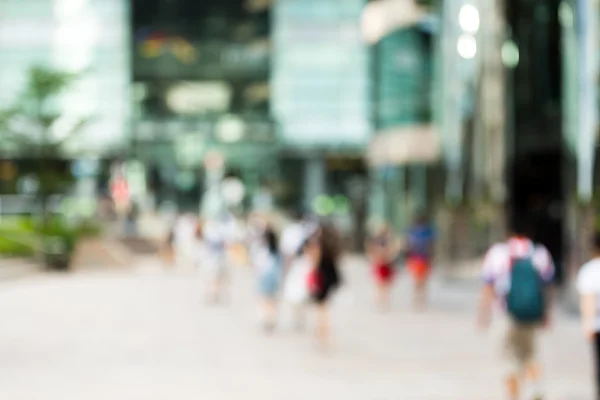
<point>140,246</point>
<point>14,268</point>
<point>101,253</point>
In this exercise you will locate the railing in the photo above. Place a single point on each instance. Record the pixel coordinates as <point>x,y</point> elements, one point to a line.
<point>27,204</point>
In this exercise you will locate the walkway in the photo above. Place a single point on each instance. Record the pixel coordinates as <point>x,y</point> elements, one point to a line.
<point>147,335</point>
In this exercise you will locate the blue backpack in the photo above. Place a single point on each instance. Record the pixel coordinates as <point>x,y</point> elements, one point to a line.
<point>525,301</point>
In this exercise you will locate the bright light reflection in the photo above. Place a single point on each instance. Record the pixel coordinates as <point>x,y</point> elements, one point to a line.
<point>468,18</point>
<point>467,46</point>
<point>231,130</point>
<point>566,15</point>
<point>510,54</point>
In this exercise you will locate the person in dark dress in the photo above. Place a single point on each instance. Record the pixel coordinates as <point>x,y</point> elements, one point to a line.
<point>324,250</point>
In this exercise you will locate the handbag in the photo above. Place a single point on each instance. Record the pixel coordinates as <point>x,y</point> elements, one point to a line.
<point>314,281</point>
<point>296,289</point>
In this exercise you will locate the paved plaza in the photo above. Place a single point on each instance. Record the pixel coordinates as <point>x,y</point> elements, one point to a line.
<point>147,334</point>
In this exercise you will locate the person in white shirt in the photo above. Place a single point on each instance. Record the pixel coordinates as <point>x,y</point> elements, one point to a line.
<point>184,240</point>
<point>214,235</point>
<point>526,267</point>
<point>292,239</point>
<point>588,286</point>
<point>296,267</point>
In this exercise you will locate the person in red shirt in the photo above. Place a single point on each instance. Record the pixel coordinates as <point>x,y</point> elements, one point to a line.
<point>381,251</point>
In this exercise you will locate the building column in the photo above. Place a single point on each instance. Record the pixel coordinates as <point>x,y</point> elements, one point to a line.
<point>494,115</point>
<point>419,188</point>
<point>314,180</point>
<point>588,93</point>
<point>377,196</point>
<point>579,20</point>
<point>397,198</point>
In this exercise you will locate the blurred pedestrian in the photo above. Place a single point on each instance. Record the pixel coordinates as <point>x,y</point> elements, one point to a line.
<point>214,235</point>
<point>184,240</point>
<point>381,251</point>
<point>237,235</point>
<point>419,248</point>
<point>267,261</point>
<point>324,252</point>
<point>588,285</point>
<point>292,238</point>
<point>519,274</point>
<point>297,267</point>
<point>295,291</point>
<point>131,219</point>
<point>200,249</point>
<point>168,249</point>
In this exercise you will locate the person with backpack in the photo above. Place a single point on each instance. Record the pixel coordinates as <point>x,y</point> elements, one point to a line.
<point>588,286</point>
<point>518,274</point>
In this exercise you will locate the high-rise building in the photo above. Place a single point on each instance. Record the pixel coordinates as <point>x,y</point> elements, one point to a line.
<point>86,37</point>
<point>401,35</point>
<point>201,84</point>
<point>321,95</point>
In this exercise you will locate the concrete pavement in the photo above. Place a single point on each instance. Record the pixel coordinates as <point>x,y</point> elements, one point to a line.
<point>148,335</point>
<point>16,268</point>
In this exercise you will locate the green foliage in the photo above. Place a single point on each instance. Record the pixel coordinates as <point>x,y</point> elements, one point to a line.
<point>27,125</point>
<point>427,3</point>
<point>26,236</point>
<point>45,83</point>
<point>12,247</point>
<point>17,237</point>
<point>27,129</point>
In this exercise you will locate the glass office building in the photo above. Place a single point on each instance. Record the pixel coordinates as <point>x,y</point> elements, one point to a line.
<point>89,37</point>
<point>321,95</point>
<point>320,74</point>
<point>201,84</point>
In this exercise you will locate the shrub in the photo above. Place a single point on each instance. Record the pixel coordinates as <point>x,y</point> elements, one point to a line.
<point>24,236</point>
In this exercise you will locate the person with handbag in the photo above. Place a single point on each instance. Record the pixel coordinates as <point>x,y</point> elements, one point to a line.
<point>296,291</point>
<point>324,251</point>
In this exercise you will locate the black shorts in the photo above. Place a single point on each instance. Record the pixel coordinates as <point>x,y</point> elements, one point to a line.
<point>322,295</point>
<point>597,363</point>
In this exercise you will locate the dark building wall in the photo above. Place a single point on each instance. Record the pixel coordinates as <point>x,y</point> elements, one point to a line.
<point>201,41</point>
<point>536,172</point>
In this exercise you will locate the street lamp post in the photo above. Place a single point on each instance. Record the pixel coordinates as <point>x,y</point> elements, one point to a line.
<point>459,52</point>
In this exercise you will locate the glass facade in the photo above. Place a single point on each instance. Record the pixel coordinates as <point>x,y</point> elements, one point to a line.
<point>89,37</point>
<point>320,73</point>
<point>26,30</point>
<point>92,38</point>
<point>404,68</point>
<point>201,73</point>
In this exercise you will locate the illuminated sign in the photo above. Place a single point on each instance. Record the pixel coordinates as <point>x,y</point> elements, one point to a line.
<point>214,60</point>
<point>199,97</point>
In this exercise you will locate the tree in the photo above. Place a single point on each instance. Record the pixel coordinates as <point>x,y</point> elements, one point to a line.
<point>28,130</point>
